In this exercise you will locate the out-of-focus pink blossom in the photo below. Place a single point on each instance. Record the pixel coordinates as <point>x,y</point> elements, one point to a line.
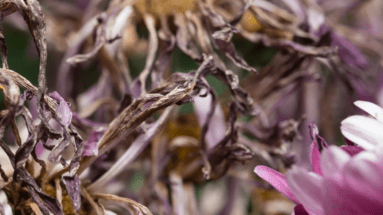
<point>344,180</point>
<point>349,185</point>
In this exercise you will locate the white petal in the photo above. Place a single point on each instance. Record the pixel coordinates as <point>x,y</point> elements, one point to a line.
<point>307,188</point>
<point>364,131</point>
<point>333,161</point>
<point>371,108</point>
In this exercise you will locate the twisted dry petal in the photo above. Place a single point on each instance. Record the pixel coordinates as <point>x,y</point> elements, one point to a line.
<point>364,131</point>
<point>307,189</point>
<point>216,126</point>
<point>90,147</point>
<point>333,161</point>
<point>63,109</point>
<point>348,52</point>
<point>277,179</point>
<point>371,108</point>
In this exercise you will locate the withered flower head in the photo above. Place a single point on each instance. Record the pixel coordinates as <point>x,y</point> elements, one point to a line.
<point>79,146</point>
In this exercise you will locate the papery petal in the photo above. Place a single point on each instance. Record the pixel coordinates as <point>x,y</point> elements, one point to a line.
<point>348,52</point>
<point>63,109</point>
<point>364,131</point>
<point>90,147</point>
<point>307,189</point>
<point>72,185</point>
<point>296,8</point>
<point>217,125</point>
<point>352,150</point>
<point>371,108</point>
<point>315,158</point>
<point>277,179</point>
<point>315,18</point>
<point>333,161</point>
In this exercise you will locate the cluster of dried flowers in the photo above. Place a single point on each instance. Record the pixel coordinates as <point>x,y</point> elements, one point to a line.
<point>75,153</point>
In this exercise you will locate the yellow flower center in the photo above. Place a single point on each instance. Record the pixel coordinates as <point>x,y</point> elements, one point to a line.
<point>250,22</point>
<point>165,7</point>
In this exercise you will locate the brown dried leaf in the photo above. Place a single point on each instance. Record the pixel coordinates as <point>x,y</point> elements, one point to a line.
<point>132,205</point>
<point>127,121</point>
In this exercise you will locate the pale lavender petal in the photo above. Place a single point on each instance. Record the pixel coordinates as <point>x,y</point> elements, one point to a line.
<point>277,179</point>
<point>348,52</point>
<point>63,109</point>
<point>217,125</point>
<point>315,158</point>
<point>371,108</point>
<point>72,185</point>
<point>307,189</point>
<point>90,147</point>
<point>333,161</point>
<point>315,18</point>
<point>364,131</point>
<point>296,7</point>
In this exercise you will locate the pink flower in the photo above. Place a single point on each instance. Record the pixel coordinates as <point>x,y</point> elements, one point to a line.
<point>344,180</point>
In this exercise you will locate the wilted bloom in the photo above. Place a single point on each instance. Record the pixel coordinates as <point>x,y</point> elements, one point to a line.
<point>345,180</point>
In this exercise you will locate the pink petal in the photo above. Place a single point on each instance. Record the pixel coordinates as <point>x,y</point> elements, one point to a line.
<point>315,158</point>
<point>363,176</point>
<point>337,201</point>
<point>371,108</point>
<point>300,210</point>
<point>364,131</point>
<point>276,179</point>
<point>307,188</point>
<point>333,161</point>
<point>352,150</point>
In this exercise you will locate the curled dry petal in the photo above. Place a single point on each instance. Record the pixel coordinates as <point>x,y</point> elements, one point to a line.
<point>63,110</point>
<point>91,148</point>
